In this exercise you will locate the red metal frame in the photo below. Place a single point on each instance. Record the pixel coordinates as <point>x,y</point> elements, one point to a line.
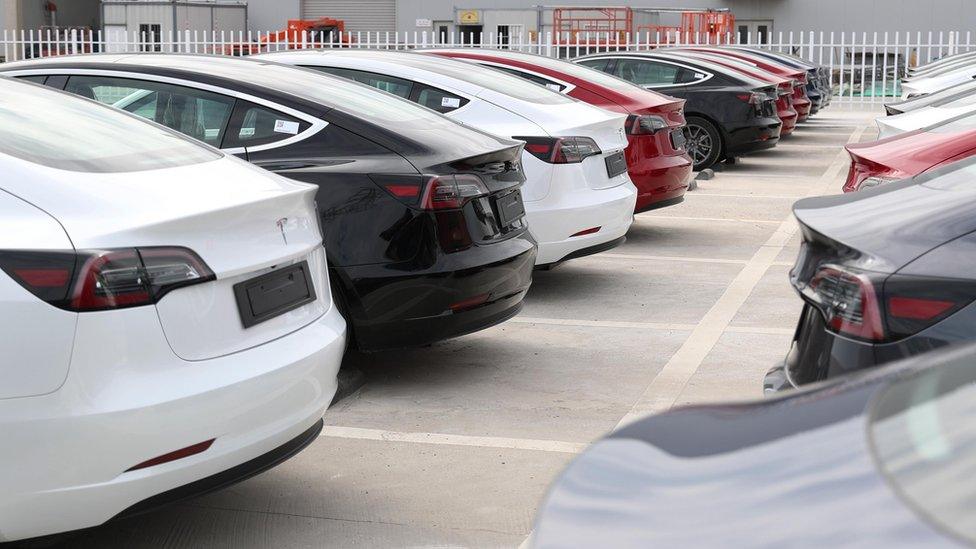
<point>606,25</point>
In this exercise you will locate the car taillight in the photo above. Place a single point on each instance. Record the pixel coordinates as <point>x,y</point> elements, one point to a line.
<point>646,124</point>
<point>433,192</point>
<point>95,280</point>
<point>561,150</point>
<point>879,307</point>
<point>754,98</point>
<point>849,303</point>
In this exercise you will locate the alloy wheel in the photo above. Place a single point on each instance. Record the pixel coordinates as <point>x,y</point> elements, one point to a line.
<point>699,144</point>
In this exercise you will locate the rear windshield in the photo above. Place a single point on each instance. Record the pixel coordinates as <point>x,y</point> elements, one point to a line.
<point>924,440</point>
<point>491,79</point>
<point>577,71</point>
<point>60,131</point>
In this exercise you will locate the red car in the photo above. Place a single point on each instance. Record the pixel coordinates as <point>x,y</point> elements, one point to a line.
<point>784,86</point>
<point>801,103</point>
<point>657,161</point>
<point>911,153</point>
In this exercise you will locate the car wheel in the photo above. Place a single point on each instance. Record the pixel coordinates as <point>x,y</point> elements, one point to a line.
<point>704,142</point>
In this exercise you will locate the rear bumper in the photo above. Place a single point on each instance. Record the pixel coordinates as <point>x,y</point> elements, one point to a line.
<point>555,219</point>
<point>788,118</point>
<point>67,455</point>
<point>397,307</point>
<point>758,135</point>
<point>661,176</point>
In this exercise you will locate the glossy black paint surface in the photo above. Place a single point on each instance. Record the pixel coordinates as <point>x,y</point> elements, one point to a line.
<point>921,228</point>
<point>793,471</point>
<point>715,99</point>
<point>395,264</point>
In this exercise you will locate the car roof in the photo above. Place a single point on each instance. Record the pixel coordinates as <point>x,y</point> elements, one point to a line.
<point>703,64</point>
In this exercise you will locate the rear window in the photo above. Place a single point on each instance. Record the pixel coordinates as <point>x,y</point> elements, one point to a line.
<point>924,440</point>
<point>57,130</point>
<point>582,71</point>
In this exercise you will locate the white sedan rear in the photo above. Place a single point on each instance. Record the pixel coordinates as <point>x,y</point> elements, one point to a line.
<point>165,310</point>
<point>578,196</point>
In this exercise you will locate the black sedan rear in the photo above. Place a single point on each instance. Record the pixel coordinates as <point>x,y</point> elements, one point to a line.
<point>884,274</point>
<point>422,217</point>
<point>728,113</point>
<point>880,460</point>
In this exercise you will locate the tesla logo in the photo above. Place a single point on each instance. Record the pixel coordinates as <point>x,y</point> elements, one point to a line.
<point>281,227</point>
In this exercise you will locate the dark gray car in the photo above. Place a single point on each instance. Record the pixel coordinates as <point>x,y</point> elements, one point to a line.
<point>884,274</point>
<point>885,459</point>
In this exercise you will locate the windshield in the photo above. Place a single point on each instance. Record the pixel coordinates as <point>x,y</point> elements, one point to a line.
<point>923,437</point>
<point>57,130</point>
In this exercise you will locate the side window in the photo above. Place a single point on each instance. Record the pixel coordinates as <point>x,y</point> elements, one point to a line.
<point>646,73</point>
<point>552,85</point>
<point>390,84</point>
<point>37,78</point>
<point>438,100</point>
<point>687,76</point>
<point>598,64</point>
<point>254,125</point>
<point>199,114</point>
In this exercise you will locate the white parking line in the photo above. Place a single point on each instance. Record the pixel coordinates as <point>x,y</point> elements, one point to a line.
<point>723,195</point>
<point>670,327</point>
<point>668,384</point>
<point>680,259</point>
<point>454,440</point>
<point>719,219</point>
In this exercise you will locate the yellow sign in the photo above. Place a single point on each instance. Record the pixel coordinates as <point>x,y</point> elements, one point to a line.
<point>469,17</point>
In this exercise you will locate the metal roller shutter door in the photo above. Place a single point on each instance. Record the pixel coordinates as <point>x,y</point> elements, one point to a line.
<point>359,15</point>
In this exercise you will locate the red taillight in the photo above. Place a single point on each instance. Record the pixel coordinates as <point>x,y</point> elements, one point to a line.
<point>914,308</point>
<point>561,150</point>
<point>433,192</point>
<point>105,279</point>
<point>469,303</point>
<point>197,448</point>
<point>753,98</point>
<point>646,124</point>
<point>849,303</point>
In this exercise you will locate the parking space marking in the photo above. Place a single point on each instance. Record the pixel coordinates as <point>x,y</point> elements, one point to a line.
<point>676,327</point>
<point>723,195</point>
<point>718,219</point>
<point>680,259</point>
<point>668,384</point>
<point>332,431</point>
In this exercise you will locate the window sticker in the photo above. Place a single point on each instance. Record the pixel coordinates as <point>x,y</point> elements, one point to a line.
<point>450,102</point>
<point>286,126</point>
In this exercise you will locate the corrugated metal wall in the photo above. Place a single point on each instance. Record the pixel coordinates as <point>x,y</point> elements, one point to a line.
<point>359,15</point>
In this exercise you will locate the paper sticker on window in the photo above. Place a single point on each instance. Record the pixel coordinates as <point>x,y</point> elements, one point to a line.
<point>286,126</point>
<point>450,102</point>
<point>699,75</point>
<point>554,87</point>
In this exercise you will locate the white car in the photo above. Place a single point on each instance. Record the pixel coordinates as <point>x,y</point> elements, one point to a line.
<point>578,196</point>
<point>166,321</point>
<point>890,126</point>
<point>937,80</point>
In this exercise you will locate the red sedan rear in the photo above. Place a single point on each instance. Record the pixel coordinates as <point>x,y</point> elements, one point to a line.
<point>909,154</point>
<point>657,160</point>
<point>801,103</point>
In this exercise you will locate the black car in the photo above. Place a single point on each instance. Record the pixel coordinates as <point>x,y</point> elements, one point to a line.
<point>422,217</point>
<point>728,114</point>
<point>884,273</point>
<point>884,459</point>
<point>819,90</point>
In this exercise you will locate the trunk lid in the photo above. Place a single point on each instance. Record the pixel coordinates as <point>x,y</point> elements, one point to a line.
<point>884,228</point>
<point>241,220</point>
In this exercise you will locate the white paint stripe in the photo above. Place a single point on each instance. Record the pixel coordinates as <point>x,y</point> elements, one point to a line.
<point>670,327</point>
<point>718,219</point>
<point>722,195</point>
<point>639,257</point>
<point>668,384</point>
<point>454,440</point>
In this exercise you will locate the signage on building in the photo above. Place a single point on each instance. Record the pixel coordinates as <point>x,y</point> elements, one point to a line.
<point>424,23</point>
<point>469,17</point>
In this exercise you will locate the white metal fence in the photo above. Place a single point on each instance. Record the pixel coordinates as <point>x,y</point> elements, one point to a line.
<point>863,66</point>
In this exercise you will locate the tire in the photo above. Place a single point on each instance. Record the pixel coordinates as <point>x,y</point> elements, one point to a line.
<point>704,142</point>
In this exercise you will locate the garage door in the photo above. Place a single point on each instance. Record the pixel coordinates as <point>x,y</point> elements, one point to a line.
<point>359,15</point>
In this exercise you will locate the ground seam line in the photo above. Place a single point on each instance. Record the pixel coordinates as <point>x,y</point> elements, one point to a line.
<point>454,440</point>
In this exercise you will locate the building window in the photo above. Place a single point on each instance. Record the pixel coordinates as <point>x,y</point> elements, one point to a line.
<point>149,37</point>
<point>509,34</point>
